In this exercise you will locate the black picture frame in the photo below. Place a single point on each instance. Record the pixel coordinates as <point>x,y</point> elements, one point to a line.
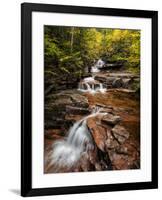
<point>26,98</point>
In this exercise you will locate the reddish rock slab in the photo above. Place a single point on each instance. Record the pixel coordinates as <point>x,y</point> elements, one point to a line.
<point>98,132</point>
<point>111,143</point>
<point>119,161</point>
<point>77,110</point>
<point>111,119</point>
<point>120,133</point>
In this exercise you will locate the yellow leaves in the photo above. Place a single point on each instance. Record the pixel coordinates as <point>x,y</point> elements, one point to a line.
<point>117,35</point>
<point>92,42</point>
<point>123,44</point>
<point>74,48</point>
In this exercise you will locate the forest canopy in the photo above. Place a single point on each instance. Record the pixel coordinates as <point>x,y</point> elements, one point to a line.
<point>70,50</point>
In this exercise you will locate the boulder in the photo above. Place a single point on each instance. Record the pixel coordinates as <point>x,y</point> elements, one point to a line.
<point>116,80</point>
<point>70,97</point>
<point>61,102</point>
<point>101,78</point>
<point>110,80</point>
<point>120,133</point>
<point>117,83</point>
<point>79,100</point>
<point>59,105</point>
<point>104,108</point>
<point>77,110</point>
<point>126,82</point>
<point>111,119</point>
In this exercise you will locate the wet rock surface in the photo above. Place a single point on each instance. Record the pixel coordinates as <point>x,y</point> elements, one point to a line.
<point>113,143</point>
<point>111,119</point>
<point>113,149</point>
<point>60,105</point>
<point>117,80</point>
<point>98,132</point>
<point>120,133</point>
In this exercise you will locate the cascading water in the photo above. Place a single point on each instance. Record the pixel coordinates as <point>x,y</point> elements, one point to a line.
<point>102,89</point>
<point>89,79</point>
<point>100,63</point>
<point>90,85</point>
<point>68,151</point>
<point>96,68</point>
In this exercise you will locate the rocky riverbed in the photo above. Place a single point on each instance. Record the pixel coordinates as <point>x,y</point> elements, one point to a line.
<point>113,131</point>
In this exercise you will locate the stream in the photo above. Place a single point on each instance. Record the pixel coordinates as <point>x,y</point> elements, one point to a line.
<point>68,151</point>
<point>106,138</point>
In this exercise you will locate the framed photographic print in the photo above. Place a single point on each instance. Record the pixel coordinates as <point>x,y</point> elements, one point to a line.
<point>89,99</point>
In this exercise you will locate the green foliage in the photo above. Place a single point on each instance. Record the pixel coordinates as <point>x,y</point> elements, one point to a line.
<point>91,45</point>
<point>52,52</point>
<point>69,50</point>
<point>123,45</point>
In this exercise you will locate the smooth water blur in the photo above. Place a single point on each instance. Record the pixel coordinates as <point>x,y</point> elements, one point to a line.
<point>67,152</point>
<point>90,85</point>
<point>94,69</point>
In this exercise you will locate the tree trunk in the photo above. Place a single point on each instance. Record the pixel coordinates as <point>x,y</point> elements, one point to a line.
<point>72,38</point>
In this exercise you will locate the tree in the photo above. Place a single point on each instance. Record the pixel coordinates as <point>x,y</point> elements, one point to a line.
<point>123,45</point>
<point>72,38</point>
<point>69,50</point>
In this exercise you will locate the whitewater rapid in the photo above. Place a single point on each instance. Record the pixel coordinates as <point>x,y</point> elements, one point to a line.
<point>66,152</point>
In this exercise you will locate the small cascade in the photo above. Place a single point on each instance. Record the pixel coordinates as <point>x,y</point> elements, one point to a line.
<point>96,68</point>
<point>90,85</point>
<point>102,89</point>
<point>68,151</point>
<point>100,63</point>
<point>89,79</point>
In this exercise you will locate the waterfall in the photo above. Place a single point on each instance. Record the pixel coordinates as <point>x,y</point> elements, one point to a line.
<point>90,85</point>
<point>96,68</point>
<point>100,63</point>
<point>102,89</point>
<point>68,151</point>
<point>89,79</point>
